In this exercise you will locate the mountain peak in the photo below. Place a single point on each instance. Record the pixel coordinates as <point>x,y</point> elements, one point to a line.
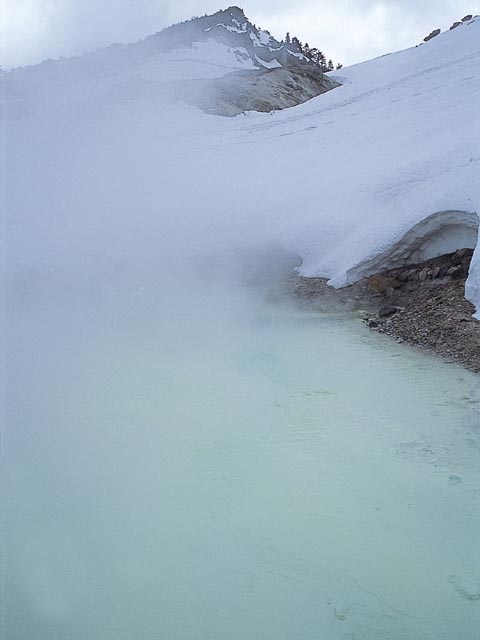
<point>222,63</point>
<point>235,12</point>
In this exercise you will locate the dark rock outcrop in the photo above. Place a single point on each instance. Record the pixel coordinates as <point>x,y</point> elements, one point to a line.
<point>432,34</point>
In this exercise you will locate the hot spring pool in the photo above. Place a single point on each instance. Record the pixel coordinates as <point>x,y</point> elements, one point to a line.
<point>214,468</point>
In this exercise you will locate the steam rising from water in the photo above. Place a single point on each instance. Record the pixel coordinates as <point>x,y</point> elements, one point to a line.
<point>187,466</point>
<point>182,459</point>
<point>101,190</point>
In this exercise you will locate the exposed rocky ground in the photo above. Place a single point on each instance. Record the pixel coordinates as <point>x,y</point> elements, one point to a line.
<point>423,305</point>
<point>263,90</point>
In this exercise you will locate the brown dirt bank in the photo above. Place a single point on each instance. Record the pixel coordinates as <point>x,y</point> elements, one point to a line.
<point>423,305</point>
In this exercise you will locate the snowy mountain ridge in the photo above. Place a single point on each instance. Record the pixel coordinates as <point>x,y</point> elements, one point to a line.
<point>222,63</point>
<point>232,28</point>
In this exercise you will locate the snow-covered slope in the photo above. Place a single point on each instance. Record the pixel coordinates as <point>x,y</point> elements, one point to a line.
<point>103,167</point>
<point>399,145</point>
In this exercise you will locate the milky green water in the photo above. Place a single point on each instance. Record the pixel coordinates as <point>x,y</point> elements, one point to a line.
<point>212,468</point>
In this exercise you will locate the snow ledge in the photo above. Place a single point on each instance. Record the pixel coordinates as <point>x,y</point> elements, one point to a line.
<point>440,233</point>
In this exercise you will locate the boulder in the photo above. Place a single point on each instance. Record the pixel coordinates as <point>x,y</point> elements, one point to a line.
<point>422,276</point>
<point>455,272</point>
<point>412,275</point>
<point>431,35</point>
<point>387,311</point>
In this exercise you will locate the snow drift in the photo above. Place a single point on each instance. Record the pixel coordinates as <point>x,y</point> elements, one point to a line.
<point>439,234</point>
<point>109,164</point>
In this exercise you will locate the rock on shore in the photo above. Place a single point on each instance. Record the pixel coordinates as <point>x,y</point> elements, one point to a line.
<point>423,305</point>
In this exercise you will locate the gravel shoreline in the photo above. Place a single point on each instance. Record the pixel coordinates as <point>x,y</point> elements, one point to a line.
<point>423,305</point>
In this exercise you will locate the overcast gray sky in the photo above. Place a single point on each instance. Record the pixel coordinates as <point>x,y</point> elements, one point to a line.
<point>346,30</point>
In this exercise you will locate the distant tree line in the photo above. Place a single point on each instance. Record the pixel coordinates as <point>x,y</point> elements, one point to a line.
<point>311,53</point>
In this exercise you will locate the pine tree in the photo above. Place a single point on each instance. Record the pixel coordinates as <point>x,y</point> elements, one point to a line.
<point>311,53</point>
<point>307,52</point>
<point>297,45</point>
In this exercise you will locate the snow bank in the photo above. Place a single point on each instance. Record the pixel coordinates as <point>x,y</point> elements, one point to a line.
<point>382,169</point>
<point>397,144</point>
